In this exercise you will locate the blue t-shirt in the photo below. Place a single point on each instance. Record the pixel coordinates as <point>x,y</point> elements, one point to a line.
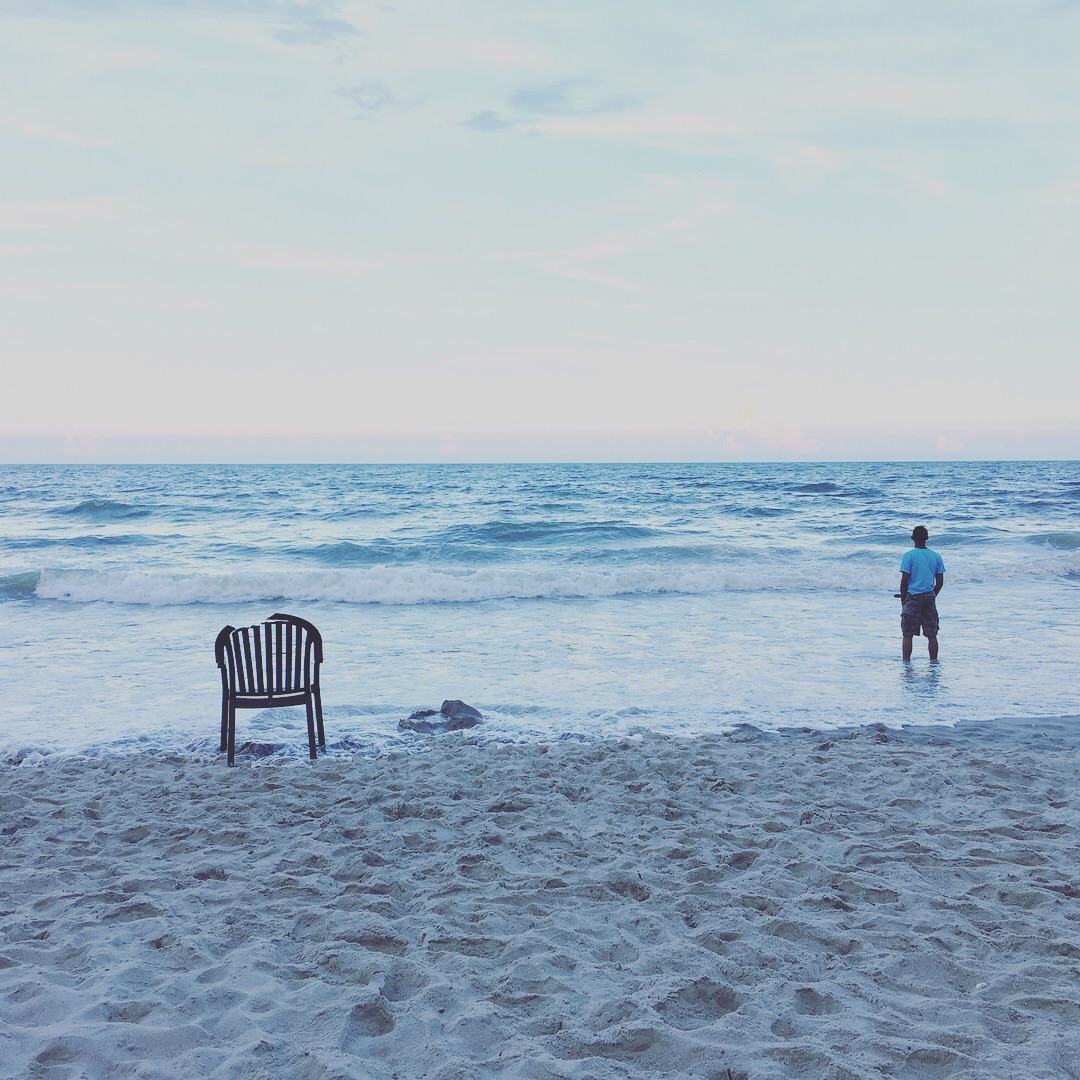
<point>921,565</point>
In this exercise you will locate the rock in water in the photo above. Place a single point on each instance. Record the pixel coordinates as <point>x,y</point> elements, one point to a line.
<point>458,710</point>
<point>453,716</point>
<point>456,723</point>
<point>424,727</point>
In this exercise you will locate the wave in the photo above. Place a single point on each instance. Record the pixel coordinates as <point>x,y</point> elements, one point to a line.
<point>82,543</point>
<point>423,585</point>
<point>527,532</point>
<point>894,539</point>
<point>401,553</point>
<point>348,553</point>
<point>105,510</point>
<point>413,583</point>
<point>19,586</point>
<point>826,488</point>
<point>1063,541</point>
<point>760,511</point>
<point>955,539</point>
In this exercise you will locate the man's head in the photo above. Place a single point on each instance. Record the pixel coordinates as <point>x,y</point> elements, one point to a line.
<point>919,535</point>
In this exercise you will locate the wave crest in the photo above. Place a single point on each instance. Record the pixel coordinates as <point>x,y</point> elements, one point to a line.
<point>538,532</point>
<point>105,510</point>
<point>19,586</point>
<point>407,585</point>
<point>1063,541</point>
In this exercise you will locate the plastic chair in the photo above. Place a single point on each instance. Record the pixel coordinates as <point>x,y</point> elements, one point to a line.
<point>270,665</point>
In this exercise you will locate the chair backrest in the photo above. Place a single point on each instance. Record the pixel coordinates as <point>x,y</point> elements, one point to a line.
<point>277,657</point>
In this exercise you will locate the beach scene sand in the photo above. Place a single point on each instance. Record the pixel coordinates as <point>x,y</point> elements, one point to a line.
<point>871,903</point>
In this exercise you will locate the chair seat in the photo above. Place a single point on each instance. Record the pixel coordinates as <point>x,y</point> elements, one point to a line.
<point>269,701</point>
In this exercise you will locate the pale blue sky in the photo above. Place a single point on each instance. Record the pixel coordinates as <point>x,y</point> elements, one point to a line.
<point>587,230</point>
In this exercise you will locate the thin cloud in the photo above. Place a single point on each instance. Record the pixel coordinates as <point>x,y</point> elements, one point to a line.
<point>536,103</point>
<point>304,27</point>
<point>314,23</point>
<point>371,99</point>
<point>488,121</point>
<point>567,97</point>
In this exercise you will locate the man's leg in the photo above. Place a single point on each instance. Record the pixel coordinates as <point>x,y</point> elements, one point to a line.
<point>931,644</point>
<point>907,646</point>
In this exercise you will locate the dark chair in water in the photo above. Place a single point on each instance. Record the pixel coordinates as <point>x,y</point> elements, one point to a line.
<point>268,665</point>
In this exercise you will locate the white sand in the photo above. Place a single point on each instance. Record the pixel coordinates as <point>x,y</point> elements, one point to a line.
<point>740,906</point>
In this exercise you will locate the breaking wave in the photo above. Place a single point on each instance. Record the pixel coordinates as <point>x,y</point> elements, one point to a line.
<point>413,583</point>
<point>1063,541</point>
<point>424,585</point>
<point>19,586</point>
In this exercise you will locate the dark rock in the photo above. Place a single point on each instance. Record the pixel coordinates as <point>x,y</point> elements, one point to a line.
<point>458,723</point>
<point>454,716</point>
<point>456,710</point>
<point>425,727</point>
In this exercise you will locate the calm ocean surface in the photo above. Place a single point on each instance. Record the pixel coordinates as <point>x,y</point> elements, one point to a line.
<point>558,599</point>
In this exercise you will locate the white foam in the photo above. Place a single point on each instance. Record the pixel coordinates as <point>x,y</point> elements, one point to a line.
<point>409,585</point>
<point>421,585</point>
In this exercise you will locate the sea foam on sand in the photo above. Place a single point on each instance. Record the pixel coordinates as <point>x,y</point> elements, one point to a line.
<point>897,904</point>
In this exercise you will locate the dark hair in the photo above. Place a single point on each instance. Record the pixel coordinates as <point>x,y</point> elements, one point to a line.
<point>920,533</point>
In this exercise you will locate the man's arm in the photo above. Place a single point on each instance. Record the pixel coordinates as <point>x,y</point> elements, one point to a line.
<point>939,583</point>
<point>904,575</point>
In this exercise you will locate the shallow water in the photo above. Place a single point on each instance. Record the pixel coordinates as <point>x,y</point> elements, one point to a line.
<point>558,599</point>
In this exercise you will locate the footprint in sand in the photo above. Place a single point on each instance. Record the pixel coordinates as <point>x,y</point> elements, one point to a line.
<point>809,1002</point>
<point>698,1003</point>
<point>367,1020</point>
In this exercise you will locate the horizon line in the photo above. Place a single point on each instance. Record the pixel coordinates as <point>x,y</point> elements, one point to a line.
<point>293,463</point>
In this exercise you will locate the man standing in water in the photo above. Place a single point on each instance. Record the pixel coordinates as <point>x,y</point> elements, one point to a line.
<point>922,577</point>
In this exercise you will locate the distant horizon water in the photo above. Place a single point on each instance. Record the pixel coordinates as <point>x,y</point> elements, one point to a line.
<point>562,600</point>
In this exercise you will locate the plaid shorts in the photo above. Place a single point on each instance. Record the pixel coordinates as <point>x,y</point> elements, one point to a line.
<point>919,612</point>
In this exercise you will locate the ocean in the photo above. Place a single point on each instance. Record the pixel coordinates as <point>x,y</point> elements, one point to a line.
<point>562,601</point>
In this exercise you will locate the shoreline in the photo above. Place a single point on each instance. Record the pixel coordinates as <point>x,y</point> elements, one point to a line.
<point>1061,729</point>
<point>810,903</point>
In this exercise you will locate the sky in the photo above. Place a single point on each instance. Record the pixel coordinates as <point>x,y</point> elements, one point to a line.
<point>446,230</point>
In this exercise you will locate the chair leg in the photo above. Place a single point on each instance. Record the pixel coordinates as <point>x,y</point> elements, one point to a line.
<point>232,733</point>
<point>224,722</point>
<point>311,727</point>
<point>318,717</point>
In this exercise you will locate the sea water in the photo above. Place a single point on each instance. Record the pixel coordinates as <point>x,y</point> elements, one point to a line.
<point>560,600</point>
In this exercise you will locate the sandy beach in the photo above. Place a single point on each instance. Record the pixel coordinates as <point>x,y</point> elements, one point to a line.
<point>881,903</point>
